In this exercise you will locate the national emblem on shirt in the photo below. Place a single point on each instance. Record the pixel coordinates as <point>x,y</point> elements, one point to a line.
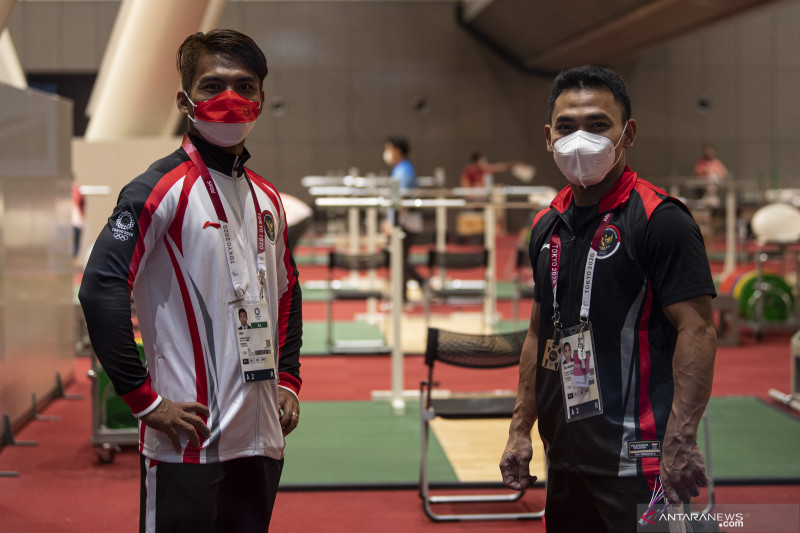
<point>609,243</point>
<point>269,226</point>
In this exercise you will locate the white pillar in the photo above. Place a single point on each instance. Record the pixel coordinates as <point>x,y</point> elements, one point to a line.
<point>11,72</point>
<point>138,79</point>
<point>210,21</point>
<point>109,54</point>
<point>730,229</point>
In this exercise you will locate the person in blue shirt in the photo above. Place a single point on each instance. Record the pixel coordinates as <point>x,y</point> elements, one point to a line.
<point>395,154</point>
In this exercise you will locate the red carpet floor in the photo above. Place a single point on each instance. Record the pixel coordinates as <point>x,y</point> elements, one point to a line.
<point>62,487</point>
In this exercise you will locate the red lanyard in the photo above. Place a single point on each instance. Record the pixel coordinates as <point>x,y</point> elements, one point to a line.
<point>211,187</point>
<point>554,258</point>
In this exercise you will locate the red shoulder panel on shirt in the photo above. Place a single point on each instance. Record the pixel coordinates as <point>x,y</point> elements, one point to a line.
<point>145,218</point>
<point>652,196</point>
<point>539,215</point>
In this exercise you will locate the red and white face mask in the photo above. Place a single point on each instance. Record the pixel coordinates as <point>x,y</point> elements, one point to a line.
<point>226,119</point>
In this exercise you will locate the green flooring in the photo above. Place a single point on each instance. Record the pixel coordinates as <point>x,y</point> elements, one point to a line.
<point>342,444</point>
<point>359,443</point>
<point>751,439</point>
<point>314,294</point>
<point>314,335</point>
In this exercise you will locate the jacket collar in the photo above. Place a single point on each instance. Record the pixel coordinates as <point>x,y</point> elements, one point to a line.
<point>218,159</point>
<point>616,196</point>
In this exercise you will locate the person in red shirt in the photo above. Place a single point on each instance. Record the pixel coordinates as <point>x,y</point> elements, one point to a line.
<point>78,214</point>
<point>709,166</point>
<point>711,170</point>
<point>474,174</point>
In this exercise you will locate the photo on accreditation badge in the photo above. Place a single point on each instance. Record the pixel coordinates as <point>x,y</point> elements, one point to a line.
<point>579,376</point>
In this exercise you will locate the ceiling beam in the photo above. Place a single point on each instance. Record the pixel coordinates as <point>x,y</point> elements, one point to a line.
<point>642,27</point>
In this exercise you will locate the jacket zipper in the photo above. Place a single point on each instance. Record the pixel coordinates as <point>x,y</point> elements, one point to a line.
<point>243,211</point>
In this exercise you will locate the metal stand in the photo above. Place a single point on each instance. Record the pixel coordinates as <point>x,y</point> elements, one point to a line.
<point>791,400</point>
<point>709,475</point>
<point>396,282</point>
<point>106,441</point>
<point>490,225</point>
<point>9,440</point>
<point>61,392</point>
<point>35,412</point>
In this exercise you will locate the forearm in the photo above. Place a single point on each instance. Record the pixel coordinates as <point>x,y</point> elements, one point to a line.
<point>693,372</point>
<point>289,354</point>
<point>682,466</point>
<point>525,409</point>
<point>515,462</point>
<point>106,306</point>
<point>498,167</point>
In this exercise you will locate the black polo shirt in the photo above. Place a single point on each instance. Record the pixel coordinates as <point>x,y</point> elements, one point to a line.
<point>651,255</point>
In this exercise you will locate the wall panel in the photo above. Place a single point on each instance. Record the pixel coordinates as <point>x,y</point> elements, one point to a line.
<point>349,70</point>
<point>37,322</point>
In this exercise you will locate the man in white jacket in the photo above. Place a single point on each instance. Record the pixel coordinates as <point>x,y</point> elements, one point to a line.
<point>195,239</point>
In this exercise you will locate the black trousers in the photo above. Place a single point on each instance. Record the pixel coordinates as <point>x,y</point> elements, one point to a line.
<point>581,502</point>
<point>231,496</point>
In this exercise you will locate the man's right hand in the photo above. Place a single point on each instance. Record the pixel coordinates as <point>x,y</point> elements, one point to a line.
<point>515,464</point>
<point>174,418</point>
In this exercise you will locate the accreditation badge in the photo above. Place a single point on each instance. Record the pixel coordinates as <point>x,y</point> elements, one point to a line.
<point>552,351</point>
<point>552,355</point>
<point>254,340</point>
<point>579,374</point>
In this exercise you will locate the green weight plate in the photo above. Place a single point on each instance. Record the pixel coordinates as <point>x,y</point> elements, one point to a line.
<point>777,295</point>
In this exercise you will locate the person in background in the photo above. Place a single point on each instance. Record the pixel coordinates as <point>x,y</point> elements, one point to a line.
<point>479,173</point>
<point>711,170</point>
<point>708,166</point>
<point>621,266</point>
<point>194,239</point>
<point>475,173</point>
<point>78,214</point>
<point>395,154</point>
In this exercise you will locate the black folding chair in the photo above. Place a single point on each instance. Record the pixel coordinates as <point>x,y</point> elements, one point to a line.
<point>361,263</point>
<point>451,291</point>
<point>477,352</point>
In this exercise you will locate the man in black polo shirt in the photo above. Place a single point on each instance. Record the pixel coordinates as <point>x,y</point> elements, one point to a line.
<point>621,276</point>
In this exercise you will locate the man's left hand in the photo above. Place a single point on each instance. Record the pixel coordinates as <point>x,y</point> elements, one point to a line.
<point>682,469</point>
<point>289,410</point>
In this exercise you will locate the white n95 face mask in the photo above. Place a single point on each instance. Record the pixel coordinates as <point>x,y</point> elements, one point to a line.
<point>585,158</point>
<point>223,133</point>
